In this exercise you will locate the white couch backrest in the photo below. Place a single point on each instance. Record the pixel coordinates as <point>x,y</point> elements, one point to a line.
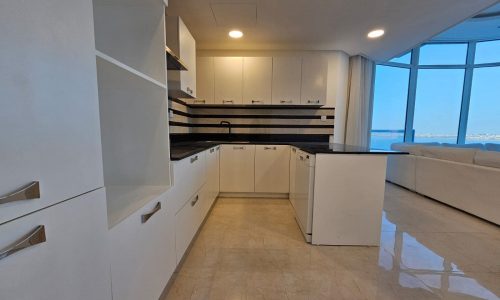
<point>463,155</point>
<point>487,158</point>
<point>475,145</point>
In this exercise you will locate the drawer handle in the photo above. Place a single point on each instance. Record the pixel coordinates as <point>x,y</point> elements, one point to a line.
<point>37,236</point>
<point>193,203</point>
<point>294,150</point>
<point>199,101</point>
<point>193,159</point>
<point>301,157</point>
<point>227,101</point>
<point>218,148</point>
<point>27,192</point>
<point>212,150</point>
<point>146,217</point>
<point>269,148</point>
<point>239,148</point>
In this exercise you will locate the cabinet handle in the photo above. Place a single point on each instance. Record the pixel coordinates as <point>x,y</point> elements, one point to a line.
<point>37,236</point>
<point>294,150</point>
<point>193,203</point>
<point>227,101</point>
<point>27,192</point>
<point>212,150</point>
<point>239,148</point>
<point>193,159</point>
<point>301,157</point>
<point>146,217</point>
<point>256,101</point>
<point>269,148</point>
<point>286,101</point>
<point>313,101</point>
<point>218,148</point>
<point>199,101</point>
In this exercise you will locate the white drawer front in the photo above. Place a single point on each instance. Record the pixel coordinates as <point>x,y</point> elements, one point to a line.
<point>143,252</point>
<point>189,176</point>
<point>187,222</point>
<point>73,262</point>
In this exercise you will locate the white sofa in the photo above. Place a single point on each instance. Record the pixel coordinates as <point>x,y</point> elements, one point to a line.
<point>466,176</point>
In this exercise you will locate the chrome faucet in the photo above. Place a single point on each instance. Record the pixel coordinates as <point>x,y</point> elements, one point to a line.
<point>226,123</point>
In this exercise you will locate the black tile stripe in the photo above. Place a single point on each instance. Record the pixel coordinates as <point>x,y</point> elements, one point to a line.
<point>181,124</point>
<point>303,117</point>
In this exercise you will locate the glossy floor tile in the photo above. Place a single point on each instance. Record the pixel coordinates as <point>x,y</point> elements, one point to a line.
<point>253,249</point>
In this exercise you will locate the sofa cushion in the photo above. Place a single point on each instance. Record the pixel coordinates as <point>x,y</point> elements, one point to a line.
<point>475,145</point>
<point>487,158</point>
<point>412,148</point>
<point>492,147</point>
<point>463,155</point>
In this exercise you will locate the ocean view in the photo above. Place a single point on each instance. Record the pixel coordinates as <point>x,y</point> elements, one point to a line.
<point>384,140</point>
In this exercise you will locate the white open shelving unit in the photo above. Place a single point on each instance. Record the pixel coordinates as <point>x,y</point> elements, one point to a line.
<point>132,80</point>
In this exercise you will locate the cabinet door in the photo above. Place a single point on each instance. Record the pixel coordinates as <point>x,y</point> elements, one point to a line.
<point>204,81</point>
<point>187,48</point>
<point>272,169</point>
<point>49,115</point>
<point>228,80</point>
<point>314,80</point>
<point>187,222</point>
<point>72,262</point>
<point>237,168</point>
<point>143,251</point>
<point>293,171</point>
<point>286,80</point>
<point>257,78</point>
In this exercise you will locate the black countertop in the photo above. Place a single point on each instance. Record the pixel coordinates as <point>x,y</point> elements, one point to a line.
<point>181,150</point>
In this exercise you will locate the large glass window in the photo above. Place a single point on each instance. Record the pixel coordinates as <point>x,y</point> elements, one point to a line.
<point>389,109</point>
<point>487,52</point>
<point>484,111</point>
<point>443,54</point>
<point>437,105</point>
<point>431,92</point>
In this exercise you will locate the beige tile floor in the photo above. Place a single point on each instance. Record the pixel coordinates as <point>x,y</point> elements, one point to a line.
<point>253,249</point>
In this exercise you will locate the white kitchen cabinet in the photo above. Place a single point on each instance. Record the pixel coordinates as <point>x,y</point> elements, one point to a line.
<point>189,175</point>
<point>237,168</point>
<point>188,221</point>
<point>286,80</point>
<point>68,258</point>
<point>272,169</point>
<point>314,80</point>
<point>293,174</point>
<point>257,78</point>
<point>204,81</point>
<point>143,251</point>
<point>228,74</point>
<point>181,84</point>
<point>49,116</point>
<point>213,173</point>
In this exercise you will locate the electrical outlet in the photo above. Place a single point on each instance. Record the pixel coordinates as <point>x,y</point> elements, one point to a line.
<point>323,118</point>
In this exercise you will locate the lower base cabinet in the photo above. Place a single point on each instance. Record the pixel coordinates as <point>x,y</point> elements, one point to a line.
<point>143,252</point>
<point>68,258</point>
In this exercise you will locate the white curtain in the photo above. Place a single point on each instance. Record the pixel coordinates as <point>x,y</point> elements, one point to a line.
<point>360,101</point>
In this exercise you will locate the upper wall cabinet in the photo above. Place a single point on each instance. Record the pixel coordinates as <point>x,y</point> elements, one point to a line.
<point>228,80</point>
<point>181,84</point>
<point>49,110</point>
<point>257,78</point>
<point>204,81</point>
<point>314,80</point>
<point>286,80</point>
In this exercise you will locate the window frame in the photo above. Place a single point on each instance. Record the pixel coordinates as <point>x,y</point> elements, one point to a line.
<point>414,67</point>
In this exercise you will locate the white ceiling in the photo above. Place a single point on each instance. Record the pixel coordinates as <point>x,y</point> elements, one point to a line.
<point>322,24</point>
<point>485,26</point>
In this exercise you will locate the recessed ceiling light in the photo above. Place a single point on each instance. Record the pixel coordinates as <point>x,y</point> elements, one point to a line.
<point>376,33</point>
<point>235,34</point>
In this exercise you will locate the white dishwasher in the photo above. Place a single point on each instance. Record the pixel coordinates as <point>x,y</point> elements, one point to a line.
<point>304,192</point>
